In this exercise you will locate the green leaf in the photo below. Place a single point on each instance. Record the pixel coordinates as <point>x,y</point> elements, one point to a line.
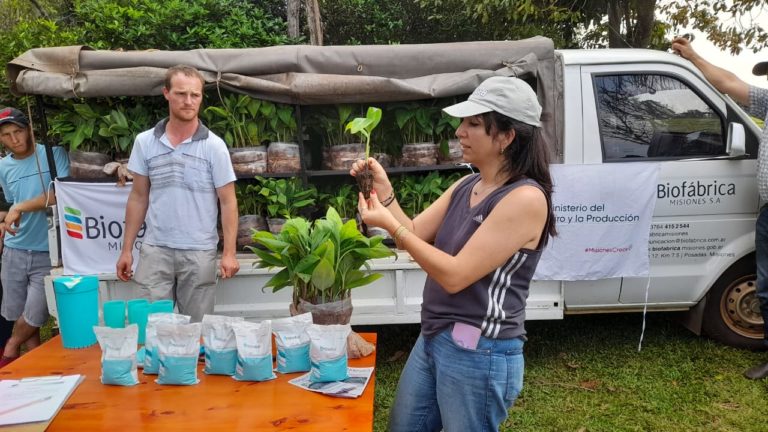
<point>323,276</point>
<point>363,280</point>
<point>358,125</point>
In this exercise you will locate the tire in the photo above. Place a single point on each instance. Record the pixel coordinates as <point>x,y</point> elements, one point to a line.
<point>732,312</point>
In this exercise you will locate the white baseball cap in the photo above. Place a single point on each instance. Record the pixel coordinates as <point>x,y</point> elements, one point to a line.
<point>509,96</point>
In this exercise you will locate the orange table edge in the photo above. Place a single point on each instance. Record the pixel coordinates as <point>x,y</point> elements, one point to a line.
<point>216,403</point>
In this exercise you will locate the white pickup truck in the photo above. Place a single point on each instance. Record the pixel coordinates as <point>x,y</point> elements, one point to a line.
<point>701,243</point>
<point>601,107</point>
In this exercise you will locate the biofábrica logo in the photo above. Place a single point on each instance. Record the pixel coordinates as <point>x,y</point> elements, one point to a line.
<point>74,222</point>
<point>80,226</point>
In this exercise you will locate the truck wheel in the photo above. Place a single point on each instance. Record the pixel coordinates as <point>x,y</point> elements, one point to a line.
<point>732,313</point>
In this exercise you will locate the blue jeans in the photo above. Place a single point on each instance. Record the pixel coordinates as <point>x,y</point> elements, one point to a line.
<point>761,256</point>
<point>445,386</point>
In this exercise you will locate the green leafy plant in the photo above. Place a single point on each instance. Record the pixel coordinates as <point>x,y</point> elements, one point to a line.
<point>77,127</point>
<point>322,261</point>
<point>329,124</point>
<point>364,126</point>
<point>241,120</point>
<point>121,126</point>
<point>282,124</point>
<point>249,200</point>
<point>445,130</point>
<point>284,197</point>
<point>415,121</point>
<point>343,199</point>
<point>416,193</point>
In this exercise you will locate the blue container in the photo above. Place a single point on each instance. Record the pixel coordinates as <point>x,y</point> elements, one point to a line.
<point>77,300</point>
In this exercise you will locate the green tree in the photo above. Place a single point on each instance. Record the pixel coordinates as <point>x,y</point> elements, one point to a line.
<point>136,24</point>
<point>728,24</point>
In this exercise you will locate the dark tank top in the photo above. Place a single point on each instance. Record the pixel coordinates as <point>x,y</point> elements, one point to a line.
<point>496,303</point>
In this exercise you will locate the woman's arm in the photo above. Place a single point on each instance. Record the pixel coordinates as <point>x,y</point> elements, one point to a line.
<point>516,222</point>
<point>426,224</point>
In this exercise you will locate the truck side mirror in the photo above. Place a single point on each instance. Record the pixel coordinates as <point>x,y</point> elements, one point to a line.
<point>735,146</point>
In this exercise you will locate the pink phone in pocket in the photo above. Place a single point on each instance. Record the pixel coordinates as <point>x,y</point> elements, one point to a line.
<point>465,335</point>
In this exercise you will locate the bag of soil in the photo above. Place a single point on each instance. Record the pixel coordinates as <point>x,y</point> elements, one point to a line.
<point>178,346</point>
<point>219,343</point>
<point>328,352</point>
<point>292,343</point>
<point>118,354</point>
<point>151,359</point>
<point>254,351</point>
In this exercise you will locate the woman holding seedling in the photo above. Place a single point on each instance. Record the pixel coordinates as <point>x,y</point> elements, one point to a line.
<point>479,244</point>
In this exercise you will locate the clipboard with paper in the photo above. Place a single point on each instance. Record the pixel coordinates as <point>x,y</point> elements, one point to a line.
<point>35,399</point>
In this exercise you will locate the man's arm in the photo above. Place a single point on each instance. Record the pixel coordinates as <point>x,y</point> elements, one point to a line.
<point>229,265</point>
<point>135,212</point>
<point>2,229</point>
<point>13,216</point>
<point>723,80</point>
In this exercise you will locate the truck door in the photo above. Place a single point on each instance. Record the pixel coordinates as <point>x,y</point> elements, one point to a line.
<point>706,207</point>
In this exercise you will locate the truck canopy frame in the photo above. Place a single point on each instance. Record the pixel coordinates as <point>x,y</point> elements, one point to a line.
<point>304,74</point>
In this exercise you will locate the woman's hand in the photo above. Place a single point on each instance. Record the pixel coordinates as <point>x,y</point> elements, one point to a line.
<point>375,214</point>
<point>381,183</point>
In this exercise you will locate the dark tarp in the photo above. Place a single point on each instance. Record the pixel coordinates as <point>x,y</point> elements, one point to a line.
<point>303,74</point>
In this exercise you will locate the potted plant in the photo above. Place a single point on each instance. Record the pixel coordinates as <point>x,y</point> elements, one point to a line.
<point>386,145</point>
<point>416,193</point>
<point>241,121</point>
<point>343,199</point>
<point>121,126</point>
<point>77,127</point>
<point>449,146</point>
<point>250,206</point>
<point>323,261</point>
<point>283,151</point>
<point>283,199</point>
<point>364,126</point>
<point>416,123</point>
<point>339,147</point>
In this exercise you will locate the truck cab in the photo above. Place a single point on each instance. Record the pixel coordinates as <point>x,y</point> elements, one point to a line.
<point>633,106</point>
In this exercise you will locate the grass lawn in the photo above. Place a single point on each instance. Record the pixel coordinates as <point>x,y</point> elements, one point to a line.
<point>584,374</point>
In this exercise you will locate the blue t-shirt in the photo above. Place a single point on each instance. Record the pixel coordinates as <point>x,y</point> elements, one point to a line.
<point>20,182</point>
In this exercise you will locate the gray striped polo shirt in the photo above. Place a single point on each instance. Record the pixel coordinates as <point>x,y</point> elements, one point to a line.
<point>496,302</point>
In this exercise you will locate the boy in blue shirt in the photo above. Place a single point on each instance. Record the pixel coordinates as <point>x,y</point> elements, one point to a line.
<point>25,179</point>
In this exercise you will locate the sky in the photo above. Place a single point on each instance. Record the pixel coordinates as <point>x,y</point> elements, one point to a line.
<point>742,64</point>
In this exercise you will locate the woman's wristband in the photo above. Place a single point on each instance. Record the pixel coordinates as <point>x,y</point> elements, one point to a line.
<point>390,199</point>
<point>399,232</point>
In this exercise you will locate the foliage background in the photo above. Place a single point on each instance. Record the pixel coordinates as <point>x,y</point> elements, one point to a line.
<point>191,24</point>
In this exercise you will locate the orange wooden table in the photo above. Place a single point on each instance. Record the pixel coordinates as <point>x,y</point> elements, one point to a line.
<point>217,403</point>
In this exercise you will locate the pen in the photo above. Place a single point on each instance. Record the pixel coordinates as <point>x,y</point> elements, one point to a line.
<point>24,405</point>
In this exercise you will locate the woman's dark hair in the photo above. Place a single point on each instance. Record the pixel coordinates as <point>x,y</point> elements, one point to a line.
<point>527,156</point>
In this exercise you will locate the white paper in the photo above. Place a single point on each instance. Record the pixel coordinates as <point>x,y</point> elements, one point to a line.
<point>35,399</point>
<point>352,387</point>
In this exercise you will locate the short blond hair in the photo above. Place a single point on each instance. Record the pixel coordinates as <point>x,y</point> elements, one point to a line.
<point>185,70</point>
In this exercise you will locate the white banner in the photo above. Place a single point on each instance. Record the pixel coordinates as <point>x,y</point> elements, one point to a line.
<point>91,222</point>
<point>603,221</point>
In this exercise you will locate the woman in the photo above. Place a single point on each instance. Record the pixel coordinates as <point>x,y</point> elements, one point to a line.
<point>488,230</point>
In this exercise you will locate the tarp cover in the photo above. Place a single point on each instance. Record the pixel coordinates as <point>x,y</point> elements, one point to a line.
<point>300,74</point>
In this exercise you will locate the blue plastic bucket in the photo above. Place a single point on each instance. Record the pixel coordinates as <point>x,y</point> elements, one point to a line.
<point>77,300</point>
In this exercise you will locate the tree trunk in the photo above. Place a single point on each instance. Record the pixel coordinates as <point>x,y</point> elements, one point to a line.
<point>314,22</point>
<point>645,18</point>
<point>292,11</point>
<point>615,13</point>
<point>39,9</point>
